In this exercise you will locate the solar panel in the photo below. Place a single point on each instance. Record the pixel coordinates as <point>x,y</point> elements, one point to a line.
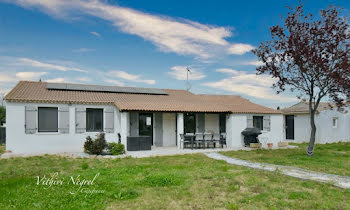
<point>102,88</point>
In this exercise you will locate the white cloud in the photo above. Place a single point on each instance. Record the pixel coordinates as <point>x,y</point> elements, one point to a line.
<point>39,64</point>
<point>83,79</point>
<point>114,82</point>
<point>131,77</point>
<point>82,50</point>
<point>57,80</point>
<point>254,63</point>
<point>180,36</point>
<point>29,75</point>
<point>180,73</point>
<point>240,49</point>
<point>240,82</point>
<point>229,71</point>
<point>6,78</point>
<point>95,33</point>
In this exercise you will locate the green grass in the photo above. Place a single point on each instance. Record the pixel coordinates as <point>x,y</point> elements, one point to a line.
<point>174,182</point>
<point>329,158</point>
<point>2,149</point>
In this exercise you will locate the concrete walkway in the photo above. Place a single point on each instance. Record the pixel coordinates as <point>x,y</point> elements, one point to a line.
<point>336,180</point>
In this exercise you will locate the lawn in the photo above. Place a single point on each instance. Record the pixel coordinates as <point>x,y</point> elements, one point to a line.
<point>2,148</point>
<point>174,182</point>
<point>329,158</point>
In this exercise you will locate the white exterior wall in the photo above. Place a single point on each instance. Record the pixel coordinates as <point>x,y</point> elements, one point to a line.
<point>180,128</point>
<point>236,123</point>
<point>124,127</point>
<point>329,134</point>
<point>169,129</point>
<point>212,123</point>
<point>302,128</point>
<point>44,143</point>
<point>325,133</point>
<point>276,133</point>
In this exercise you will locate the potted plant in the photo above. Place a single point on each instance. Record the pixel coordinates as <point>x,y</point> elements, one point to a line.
<point>255,145</point>
<point>282,144</point>
<point>270,145</point>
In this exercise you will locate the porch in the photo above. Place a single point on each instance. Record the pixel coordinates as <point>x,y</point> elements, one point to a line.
<point>154,130</point>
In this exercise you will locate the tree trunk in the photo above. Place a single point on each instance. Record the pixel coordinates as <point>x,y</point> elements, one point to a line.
<point>310,149</point>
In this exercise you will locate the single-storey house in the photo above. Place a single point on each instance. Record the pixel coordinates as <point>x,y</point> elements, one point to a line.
<point>57,117</point>
<point>332,123</point>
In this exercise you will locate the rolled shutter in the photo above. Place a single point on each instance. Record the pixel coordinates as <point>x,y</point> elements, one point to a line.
<point>109,115</point>
<point>80,120</point>
<point>63,113</point>
<point>267,123</point>
<point>30,119</point>
<point>249,121</point>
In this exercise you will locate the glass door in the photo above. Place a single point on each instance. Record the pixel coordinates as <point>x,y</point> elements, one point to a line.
<point>146,125</point>
<point>190,123</point>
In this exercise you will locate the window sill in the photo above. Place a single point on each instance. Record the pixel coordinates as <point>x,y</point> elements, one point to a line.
<point>48,133</point>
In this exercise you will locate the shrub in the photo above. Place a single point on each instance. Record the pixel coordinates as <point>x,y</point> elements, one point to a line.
<point>88,145</point>
<point>116,148</point>
<point>95,146</point>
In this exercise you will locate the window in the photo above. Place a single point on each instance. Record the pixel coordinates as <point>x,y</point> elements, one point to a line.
<point>258,122</point>
<point>335,122</point>
<point>94,120</point>
<point>47,119</point>
<point>222,123</point>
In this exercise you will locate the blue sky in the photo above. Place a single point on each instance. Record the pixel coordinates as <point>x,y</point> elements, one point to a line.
<point>143,43</point>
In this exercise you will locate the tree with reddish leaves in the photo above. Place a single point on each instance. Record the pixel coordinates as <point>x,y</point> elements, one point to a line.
<point>310,56</point>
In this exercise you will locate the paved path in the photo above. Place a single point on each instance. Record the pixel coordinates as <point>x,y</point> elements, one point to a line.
<point>336,180</point>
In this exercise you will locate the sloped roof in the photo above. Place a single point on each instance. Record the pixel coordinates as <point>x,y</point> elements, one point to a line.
<point>237,104</point>
<point>303,108</point>
<point>174,101</point>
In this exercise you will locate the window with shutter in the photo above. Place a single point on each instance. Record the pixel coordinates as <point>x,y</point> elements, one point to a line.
<point>109,115</point>
<point>30,119</point>
<point>80,120</point>
<point>258,122</point>
<point>63,113</point>
<point>94,120</point>
<point>47,119</point>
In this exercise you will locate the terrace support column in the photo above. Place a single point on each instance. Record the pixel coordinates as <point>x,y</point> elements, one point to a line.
<point>180,129</point>
<point>124,127</point>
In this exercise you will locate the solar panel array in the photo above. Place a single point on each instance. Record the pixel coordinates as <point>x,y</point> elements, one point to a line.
<point>102,88</point>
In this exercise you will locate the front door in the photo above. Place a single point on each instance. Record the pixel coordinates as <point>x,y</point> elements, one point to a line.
<point>290,127</point>
<point>190,123</point>
<point>146,125</point>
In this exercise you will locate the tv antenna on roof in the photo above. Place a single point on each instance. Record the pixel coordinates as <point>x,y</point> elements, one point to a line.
<point>188,85</point>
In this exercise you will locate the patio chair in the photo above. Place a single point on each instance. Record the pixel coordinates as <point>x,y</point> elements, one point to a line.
<point>208,138</point>
<point>216,139</point>
<point>185,141</point>
<point>199,140</point>
<point>223,140</point>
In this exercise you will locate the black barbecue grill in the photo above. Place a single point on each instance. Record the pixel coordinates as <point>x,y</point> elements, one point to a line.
<point>251,135</point>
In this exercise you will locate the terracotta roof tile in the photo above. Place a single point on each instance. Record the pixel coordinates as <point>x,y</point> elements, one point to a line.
<point>175,101</point>
<point>303,108</point>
